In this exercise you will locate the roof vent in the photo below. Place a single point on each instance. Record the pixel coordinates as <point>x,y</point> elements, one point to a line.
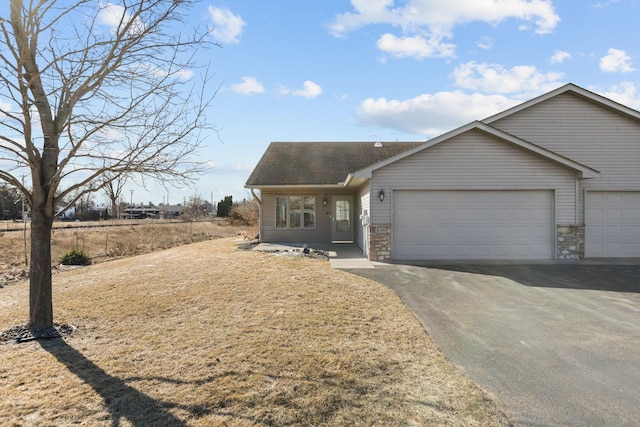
<point>378,144</point>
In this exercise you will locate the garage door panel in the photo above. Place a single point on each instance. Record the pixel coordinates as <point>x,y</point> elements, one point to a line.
<point>613,215</point>
<point>472,234</point>
<point>632,215</point>
<point>594,234</point>
<point>473,225</point>
<point>612,222</point>
<point>633,233</point>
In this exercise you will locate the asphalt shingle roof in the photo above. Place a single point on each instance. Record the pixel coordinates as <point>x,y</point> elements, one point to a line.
<point>319,163</point>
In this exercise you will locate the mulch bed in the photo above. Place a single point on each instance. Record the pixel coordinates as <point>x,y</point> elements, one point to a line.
<point>293,251</point>
<point>24,333</point>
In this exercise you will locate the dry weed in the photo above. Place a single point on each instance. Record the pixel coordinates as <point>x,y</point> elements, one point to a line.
<point>207,335</point>
<point>114,240</point>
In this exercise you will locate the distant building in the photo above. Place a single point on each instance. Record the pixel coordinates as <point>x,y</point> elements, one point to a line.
<point>155,212</point>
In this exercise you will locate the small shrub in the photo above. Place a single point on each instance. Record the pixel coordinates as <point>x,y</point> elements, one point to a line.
<point>75,257</point>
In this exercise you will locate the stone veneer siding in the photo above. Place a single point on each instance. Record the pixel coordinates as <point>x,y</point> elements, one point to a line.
<point>570,242</point>
<point>380,243</point>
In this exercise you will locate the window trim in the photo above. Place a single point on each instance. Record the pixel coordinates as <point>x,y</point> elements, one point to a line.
<point>302,211</point>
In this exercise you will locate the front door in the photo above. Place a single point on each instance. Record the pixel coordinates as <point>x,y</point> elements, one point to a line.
<point>342,219</point>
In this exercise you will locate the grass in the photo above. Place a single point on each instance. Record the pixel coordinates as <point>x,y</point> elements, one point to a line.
<point>209,335</point>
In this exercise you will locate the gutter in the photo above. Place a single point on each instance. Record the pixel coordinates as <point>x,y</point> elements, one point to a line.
<point>348,180</point>
<point>255,196</point>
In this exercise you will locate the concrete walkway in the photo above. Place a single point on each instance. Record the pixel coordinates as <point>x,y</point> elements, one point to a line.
<point>341,256</point>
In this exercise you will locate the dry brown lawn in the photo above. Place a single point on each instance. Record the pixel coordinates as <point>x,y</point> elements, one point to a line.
<point>106,240</point>
<point>206,335</point>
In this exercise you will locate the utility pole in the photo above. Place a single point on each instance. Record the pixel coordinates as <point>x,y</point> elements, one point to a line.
<point>24,228</point>
<point>22,211</point>
<point>131,206</point>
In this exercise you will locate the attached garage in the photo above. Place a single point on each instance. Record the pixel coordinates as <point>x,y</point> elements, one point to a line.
<point>491,224</point>
<point>612,224</point>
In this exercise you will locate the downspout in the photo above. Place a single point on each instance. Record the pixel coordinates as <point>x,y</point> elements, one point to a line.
<point>255,196</point>
<point>259,200</point>
<point>577,218</point>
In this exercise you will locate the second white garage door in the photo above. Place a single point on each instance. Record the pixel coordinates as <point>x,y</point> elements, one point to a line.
<point>612,224</point>
<point>501,225</point>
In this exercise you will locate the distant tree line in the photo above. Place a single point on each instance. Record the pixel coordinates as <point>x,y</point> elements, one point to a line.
<point>10,203</point>
<point>224,207</point>
<point>242,213</point>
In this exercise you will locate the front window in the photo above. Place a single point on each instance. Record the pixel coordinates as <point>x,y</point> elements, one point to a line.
<point>281,212</point>
<point>309,211</point>
<point>295,211</point>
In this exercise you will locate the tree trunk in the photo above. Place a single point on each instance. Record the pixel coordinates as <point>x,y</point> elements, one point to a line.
<point>40,289</point>
<point>115,208</point>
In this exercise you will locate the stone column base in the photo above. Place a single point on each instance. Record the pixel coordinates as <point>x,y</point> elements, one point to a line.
<point>570,242</point>
<point>380,242</point>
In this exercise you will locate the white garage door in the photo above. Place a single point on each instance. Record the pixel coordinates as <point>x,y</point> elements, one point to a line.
<point>473,225</point>
<point>612,222</point>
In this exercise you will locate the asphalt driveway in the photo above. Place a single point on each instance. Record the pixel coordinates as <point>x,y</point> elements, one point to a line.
<point>558,344</point>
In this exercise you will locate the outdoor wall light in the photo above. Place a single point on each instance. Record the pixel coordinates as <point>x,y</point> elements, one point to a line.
<point>324,202</point>
<point>381,195</point>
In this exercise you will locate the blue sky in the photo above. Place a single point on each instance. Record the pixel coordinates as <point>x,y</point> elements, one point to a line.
<point>385,70</point>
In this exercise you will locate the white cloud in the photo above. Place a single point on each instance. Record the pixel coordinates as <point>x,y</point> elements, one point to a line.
<point>114,16</point>
<point>425,21</point>
<point>248,86</point>
<point>559,56</point>
<point>227,26</point>
<point>310,90</point>
<point>495,78</point>
<point>367,12</point>
<point>445,14</point>
<point>485,43</point>
<point>600,5</point>
<point>415,47</point>
<point>616,60</point>
<point>230,169</point>
<point>5,106</point>
<point>626,93</point>
<point>431,114</point>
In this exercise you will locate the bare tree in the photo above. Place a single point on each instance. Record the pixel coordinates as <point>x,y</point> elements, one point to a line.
<point>113,186</point>
<point>196,207</point>
<point>93,90</point>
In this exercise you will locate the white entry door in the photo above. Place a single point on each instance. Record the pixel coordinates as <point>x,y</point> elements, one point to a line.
<point>342,219</point>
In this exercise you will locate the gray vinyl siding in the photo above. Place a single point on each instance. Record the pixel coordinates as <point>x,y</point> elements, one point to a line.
<point>363,203</point>
<point>321,234</point>
<point>474,161</point>
<point>586,132</point>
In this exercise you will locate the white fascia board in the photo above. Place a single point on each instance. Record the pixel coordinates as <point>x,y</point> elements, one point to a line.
<point>569,87</point>
<point>292,186</point>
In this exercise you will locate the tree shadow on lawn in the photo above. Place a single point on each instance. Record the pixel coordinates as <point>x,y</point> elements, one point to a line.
<point>121,400</point>
<point>125,402</point>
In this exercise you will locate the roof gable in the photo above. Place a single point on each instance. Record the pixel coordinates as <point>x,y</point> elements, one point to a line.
<point>585,171</point>
<point>319,163</point>
<point>568,88</point>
